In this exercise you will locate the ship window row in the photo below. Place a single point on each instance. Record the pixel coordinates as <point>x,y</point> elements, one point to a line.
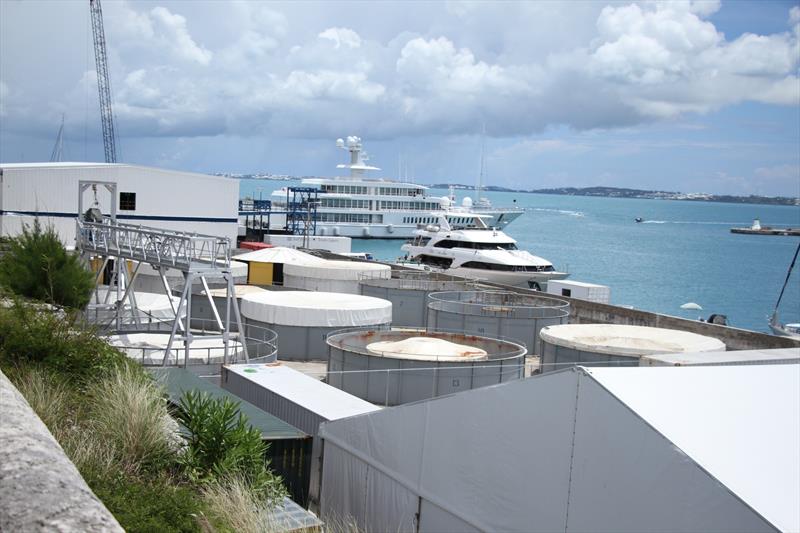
<point>358,218</point>
<point>419,220</point>
<point>412,206</point>
<point>345,203</point>
<point>507,268</point>
<point>345,189</point>
<point>398,191</point>
<point>447,243</point>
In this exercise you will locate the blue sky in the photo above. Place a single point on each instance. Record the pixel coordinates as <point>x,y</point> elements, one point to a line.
<point>690,96</point>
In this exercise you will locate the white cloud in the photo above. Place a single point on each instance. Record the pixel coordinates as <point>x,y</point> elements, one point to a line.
<point>341,37</point>
<point>176,34</point>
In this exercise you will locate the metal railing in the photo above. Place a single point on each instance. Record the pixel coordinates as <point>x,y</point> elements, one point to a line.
<point>356,340</point>
<point>172,249</point>
<point>498,303</point>
<point>419,280</point>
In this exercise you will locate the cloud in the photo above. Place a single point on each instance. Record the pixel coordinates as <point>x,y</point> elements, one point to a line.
<point>175,33</point>
<point>3,95</point>
<point>341,37</point>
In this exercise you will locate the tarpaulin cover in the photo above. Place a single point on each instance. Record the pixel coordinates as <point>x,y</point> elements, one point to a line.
<point>607,449</point>
<point>327,309</point>
<point>279,254</point>
<point>339,270</point>
<point>427,347</point>
<point>619,339</point>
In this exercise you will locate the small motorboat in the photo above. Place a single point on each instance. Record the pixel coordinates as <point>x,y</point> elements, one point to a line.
<point>639,219</point>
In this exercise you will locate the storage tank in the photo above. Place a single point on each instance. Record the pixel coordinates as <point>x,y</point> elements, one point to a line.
<point>149,280</point>
<point>501,314</point>
<point>401,365</point>
<point>154,311</point>
<point>204,353</point>
<point>202,314</point>
<point>332,276</point>
<point>408,291</point>
<point>303,319</point>
<point>615,345</point>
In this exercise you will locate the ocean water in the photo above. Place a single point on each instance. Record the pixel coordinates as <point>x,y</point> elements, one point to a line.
<point>683,252</point>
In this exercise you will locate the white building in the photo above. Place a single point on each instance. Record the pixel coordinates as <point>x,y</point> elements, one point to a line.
<point>602,449</point>
<point>147,196</point>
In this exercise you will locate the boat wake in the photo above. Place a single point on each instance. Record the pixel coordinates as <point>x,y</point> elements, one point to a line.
<point>558,211</point>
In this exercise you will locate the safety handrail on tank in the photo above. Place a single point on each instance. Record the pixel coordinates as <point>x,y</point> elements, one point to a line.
<point>334,337</point>
<point>172,249</point>
<point>259,348</point>
<point>498,303</point>
<point>417,280</point>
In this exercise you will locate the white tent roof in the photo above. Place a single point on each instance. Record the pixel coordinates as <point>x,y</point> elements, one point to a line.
<point>238,290</point>
<point>740,424</point>
<point>326,309</point>
<point>613,449</point>
<point>279,254</point>
<point>341,270</point>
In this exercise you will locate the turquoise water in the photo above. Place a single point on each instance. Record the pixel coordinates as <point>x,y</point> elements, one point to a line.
<point>683,252</point>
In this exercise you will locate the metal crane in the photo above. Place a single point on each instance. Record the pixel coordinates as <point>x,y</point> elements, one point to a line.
<point>103,83</point>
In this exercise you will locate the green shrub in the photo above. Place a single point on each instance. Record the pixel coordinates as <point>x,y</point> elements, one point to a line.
<point>149,506</point>
<point>37,265</point>
<point>221,444</point>
<point>128,412</point>
<point>48,395</point>
<point>72,350</point>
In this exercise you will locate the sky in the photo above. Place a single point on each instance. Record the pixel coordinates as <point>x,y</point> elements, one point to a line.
<point>681,96</point>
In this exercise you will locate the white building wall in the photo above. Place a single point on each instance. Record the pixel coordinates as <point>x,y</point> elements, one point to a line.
<point>168,199</point>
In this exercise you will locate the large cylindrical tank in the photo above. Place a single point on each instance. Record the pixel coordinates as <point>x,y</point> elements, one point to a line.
<point>502,314</point>
<point>149,280</point>
<point>615,345</point>
<point>332,276</point>
<point>303,319</point>
<point>408,291</point>
<point>202,313</point>
<point>401,365</point>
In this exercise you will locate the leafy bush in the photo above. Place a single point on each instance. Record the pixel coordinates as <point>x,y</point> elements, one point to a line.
<point>221,444</point>
<point>68,348</point>
<point>151,506</point>
<point>37,265</point>
<point>129,413</point>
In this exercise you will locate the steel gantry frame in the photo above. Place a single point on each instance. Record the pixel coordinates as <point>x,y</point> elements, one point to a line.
<point>197,256</point>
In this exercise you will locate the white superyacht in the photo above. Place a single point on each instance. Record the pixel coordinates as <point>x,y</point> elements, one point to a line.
<point>468,247</point>
<point>362,207</point>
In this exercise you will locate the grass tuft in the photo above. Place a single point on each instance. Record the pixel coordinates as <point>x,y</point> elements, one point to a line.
<point>129,412</point>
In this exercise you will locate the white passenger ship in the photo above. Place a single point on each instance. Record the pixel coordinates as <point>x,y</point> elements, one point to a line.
<point>361,207</point>
<point>471,249</point>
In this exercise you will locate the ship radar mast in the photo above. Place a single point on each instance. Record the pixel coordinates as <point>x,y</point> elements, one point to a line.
<point>358,158</point>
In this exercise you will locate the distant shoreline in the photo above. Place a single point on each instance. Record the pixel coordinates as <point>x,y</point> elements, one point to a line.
<point>616,192</point>
<point>603,192</point>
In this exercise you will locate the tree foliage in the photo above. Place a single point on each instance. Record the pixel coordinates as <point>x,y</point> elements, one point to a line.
<point>221,444</point>
<point>36,265</point>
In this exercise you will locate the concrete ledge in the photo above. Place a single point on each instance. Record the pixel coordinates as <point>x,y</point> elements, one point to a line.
<point>40,489</point>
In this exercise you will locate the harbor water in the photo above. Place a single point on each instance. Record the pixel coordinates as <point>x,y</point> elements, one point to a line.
<point>682,252</point>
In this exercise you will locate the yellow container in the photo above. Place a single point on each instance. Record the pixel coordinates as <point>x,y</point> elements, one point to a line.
<point>260,273</point>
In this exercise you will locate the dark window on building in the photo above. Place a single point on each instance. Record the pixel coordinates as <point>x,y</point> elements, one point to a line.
<point>127,201</point>
<point>566,292</point>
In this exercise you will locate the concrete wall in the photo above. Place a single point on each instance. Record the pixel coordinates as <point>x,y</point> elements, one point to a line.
<point>40,489</point>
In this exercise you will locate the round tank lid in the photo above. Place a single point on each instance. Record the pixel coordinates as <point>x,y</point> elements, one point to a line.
<point>617,339</point>
<point>427,349</point>
<point>239,290</point>
<point>318,309</point>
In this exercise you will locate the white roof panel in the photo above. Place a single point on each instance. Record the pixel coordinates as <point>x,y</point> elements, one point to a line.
<point>749,441</point>
<point>316,309</point>
<point>341,270</point>
<point>305,391</point>
<point>627,340</point>
<point>278,254</point>
<point>738,357</point>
